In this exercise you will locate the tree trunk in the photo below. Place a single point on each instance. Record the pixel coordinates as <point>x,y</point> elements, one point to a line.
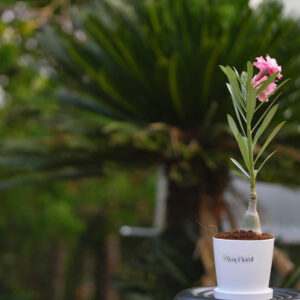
<point>86,287</point>
<point>210,207</point>
<point>107,262</point>
<point>200,203</point>
<point>59,273</point>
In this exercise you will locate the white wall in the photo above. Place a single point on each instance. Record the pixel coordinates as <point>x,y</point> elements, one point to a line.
<point>292,7</point>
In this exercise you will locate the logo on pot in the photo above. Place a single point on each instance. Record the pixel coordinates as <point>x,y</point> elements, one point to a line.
<point>238,259</point>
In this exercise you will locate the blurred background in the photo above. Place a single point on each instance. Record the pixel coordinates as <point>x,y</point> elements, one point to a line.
<point>114,149</point>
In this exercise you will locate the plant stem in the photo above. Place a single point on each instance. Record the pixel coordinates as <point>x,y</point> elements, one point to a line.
<point>251,218</point>
<point>251,164</point>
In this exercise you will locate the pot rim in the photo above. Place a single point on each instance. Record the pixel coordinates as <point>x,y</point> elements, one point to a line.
<point>244,241</point>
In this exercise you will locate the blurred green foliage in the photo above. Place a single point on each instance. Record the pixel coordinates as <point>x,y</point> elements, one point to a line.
<point>148,62</point>
<point>38,221</point>
<point>35,221</point>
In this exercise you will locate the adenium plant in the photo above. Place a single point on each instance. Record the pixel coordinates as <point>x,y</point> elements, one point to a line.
<point>254,112</point>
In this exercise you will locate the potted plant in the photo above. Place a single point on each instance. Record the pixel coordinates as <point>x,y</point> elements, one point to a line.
<point>243,258</point>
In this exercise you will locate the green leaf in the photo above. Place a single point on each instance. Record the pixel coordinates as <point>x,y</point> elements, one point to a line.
<point>232,77</point>
<point>269,156</point>
<point>154,19</point>
<point>269,139</point>
<point>250,104</point>
<point>265,122</point>
<point>265,83</point>
<point>249,73</point>
<point>130,61</point>
<point>237,74</point>
<point>99,34</point>
<point>239,119</point>
<point>239,174</point>
<point>240,167</point>
<point>235,101</point>
<point>234,84</point>
<point>246,142</point>
<point>242,84</point>
<point>279,86</point>
<point>232,126</point>
<point>251,96</point>
<point>224,70</point>
<point>173,85</point>
<point>209,73</point>
<point>237,107</point>
<point>242,141</point>
<point>270,105</point>
<point>89,105</point>
<point>113,93</point>
<point>243,146</point>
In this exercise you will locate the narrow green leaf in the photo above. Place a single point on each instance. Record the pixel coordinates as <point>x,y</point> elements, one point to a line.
<point>242,141</point>
<point>270,105</point>
<point>234,90</point>
<point>130,60</point>
<point>269,156</point>
<point>259,106</point>
<point>173,85</point>
<point>235,86</point>
<point>265,83</point>
<point>113,93</point>
<point>208,119</point>
<point>209,73</point>
<point>250,103</point>
<point>265,122</point>
<point>249,75</point>
<point>99,34</point>
<point>243,149</point>
<point>239,119</point>
<point>79,60</point>
<point>251,96</point>
<point>240,167</point>
<point>223,69</point>
<point>242,84</point>
<point>232,126</point>
<point>269,139</point>
<point>246,142</point>
<point>238,110</point>
<point>235,101</point>
<point>279,87</point>
<point>239,174</point>
<point>86,103</point>
<point>152,9</point>
<point>237,74</point>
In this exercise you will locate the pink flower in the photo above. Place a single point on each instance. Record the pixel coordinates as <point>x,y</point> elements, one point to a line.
<point>268,66</point>
<point>263,96</point>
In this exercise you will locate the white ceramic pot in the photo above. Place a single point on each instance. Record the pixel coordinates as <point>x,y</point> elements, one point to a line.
<point>243,269</point>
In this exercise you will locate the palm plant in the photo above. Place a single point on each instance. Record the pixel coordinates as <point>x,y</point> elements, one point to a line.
<point>150,62</point>
<point>145,77</point>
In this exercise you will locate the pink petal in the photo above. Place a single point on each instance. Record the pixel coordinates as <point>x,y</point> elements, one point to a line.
<point>268,66</point>
<point>263,96</point>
